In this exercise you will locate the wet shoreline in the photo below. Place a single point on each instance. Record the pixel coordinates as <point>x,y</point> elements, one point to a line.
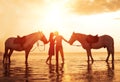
<point>75,69</point>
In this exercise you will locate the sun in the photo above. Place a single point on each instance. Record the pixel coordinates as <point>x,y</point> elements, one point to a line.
<point>54,16</point>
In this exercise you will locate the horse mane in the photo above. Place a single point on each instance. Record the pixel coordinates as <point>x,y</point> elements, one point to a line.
<point>35,33</point>
<point>80,34</point>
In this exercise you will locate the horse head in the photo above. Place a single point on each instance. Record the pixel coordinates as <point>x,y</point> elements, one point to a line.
<point>73,38</point>
<point>42,37</point>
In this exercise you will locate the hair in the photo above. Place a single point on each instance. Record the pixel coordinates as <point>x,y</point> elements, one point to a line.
<point>51,35</point>
<point>56,33</point>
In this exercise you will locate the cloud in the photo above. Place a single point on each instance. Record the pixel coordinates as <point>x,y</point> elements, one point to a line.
<point>94,6</point>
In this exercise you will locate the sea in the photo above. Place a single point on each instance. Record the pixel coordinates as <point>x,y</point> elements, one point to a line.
<point>75,69</point>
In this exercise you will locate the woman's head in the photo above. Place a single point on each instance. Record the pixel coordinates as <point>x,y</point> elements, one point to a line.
<point>51,34</point>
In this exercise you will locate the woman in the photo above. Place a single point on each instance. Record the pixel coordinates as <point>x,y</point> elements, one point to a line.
<point>51,48</point>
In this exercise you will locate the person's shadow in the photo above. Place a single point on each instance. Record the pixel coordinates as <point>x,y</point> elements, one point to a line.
<point>56,72</point>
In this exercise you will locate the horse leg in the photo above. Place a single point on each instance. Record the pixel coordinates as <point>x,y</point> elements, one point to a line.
<point>113,57</point>
<point>9,55</point>
<point>5,55</point>
<point>26,55</point>
<point>108,55</point>
<point>110,50</point>
<point>89,55</point>
<point>112,53</point>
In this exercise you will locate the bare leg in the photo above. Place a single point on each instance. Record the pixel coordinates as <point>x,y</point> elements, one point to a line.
<point>57,57</point>
<point>49,59</point>
<point>62,54</point>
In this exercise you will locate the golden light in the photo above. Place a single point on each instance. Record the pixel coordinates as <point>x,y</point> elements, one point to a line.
<point>54,16</point>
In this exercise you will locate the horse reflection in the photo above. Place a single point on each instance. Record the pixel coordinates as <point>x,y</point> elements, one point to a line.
<point>89,67</point>
<point>27,72</point>
<point>6,72</point>
<point>110,70</point>
<point>10,71</point>
<point>106,75</point>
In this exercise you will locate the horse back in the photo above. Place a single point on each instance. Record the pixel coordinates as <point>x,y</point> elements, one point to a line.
<point>20,40</point>
<point>106,40</point>
<point>92,39</point>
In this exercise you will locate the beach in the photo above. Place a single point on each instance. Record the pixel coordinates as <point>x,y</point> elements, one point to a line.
<point>75,69</point>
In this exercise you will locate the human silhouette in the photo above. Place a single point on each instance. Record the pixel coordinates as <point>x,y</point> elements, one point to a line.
<point>51,48</point>
<point>59,47</point>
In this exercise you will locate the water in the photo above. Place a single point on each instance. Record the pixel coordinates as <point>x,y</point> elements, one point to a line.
<point>75,69</point>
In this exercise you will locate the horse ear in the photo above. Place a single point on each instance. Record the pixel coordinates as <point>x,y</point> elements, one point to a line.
<point>73,32</point>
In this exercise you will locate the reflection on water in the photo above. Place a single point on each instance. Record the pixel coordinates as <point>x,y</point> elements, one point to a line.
<point>15,73</point>
<point>106,75</point>
<point>75,69</point>
<point>56,72</point>
<point>6,72</point>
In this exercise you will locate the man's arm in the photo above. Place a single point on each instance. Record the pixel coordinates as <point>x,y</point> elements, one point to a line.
<point>64,39</point>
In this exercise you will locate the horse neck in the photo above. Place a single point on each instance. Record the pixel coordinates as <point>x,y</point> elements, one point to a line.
<point>81,37</point>
<point>32,38</point>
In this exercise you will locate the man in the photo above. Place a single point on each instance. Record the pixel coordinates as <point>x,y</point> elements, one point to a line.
<point>59,47</point>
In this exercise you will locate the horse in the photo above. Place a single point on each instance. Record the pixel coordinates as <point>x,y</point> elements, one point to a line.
<point>104,41</point>
<point>24,43</point>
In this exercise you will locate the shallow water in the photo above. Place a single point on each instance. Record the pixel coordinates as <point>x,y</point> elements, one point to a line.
<point>75,69</point>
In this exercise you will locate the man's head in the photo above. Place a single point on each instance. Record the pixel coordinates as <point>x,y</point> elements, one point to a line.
<point>56,33</point>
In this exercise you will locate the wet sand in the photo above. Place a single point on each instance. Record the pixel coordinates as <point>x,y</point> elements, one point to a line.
<point>75,69</point>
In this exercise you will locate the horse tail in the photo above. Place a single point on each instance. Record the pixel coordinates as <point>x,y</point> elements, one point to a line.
<point>5,54</point>
<point>112,46</point>
<point>113,50</point>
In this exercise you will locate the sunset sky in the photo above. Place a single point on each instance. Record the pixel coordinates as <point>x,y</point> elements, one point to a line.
<point>22,17</point>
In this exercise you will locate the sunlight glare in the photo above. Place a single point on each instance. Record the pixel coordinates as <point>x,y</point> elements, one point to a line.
<point>54,16</point>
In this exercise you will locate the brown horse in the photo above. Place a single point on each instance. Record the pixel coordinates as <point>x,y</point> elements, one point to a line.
<point>22,43</point>
<point>103,41</point>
